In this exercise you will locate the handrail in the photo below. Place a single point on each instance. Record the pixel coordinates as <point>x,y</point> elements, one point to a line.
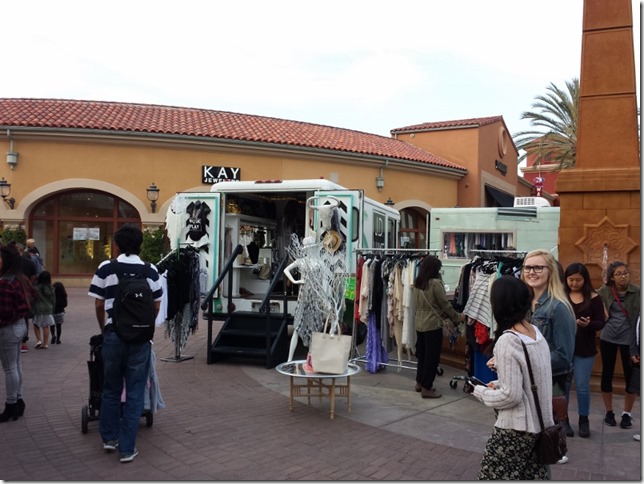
<point>204,305</point>
<point>279,273</point>
<point>208,302</point>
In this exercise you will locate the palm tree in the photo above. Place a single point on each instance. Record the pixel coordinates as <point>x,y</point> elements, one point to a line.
<point>554,138</point>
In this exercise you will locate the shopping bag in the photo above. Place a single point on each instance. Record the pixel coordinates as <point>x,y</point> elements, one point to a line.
<point>330,352</point>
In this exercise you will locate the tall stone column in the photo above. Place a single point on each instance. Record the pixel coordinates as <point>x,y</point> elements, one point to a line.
<point>600,197</point>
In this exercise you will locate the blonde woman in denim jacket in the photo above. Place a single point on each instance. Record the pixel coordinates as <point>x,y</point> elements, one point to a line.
<point>555,318</point>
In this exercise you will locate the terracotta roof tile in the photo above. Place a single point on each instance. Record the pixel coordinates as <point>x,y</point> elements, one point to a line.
<point>146,118</point>
<point>456,123</point>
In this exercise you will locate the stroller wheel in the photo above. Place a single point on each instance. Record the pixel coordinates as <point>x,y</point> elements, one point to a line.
<point>84,419</point>
<point>452,384</point>
<point>439,371</point>
<point>149,419</point>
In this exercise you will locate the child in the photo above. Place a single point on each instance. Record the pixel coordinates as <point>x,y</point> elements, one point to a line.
<point>59,311</point>
<point>43,308</point>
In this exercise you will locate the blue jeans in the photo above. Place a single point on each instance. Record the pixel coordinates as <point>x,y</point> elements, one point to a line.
<point>127,364</point>
<point>583,368</point>
<point>10,340</point>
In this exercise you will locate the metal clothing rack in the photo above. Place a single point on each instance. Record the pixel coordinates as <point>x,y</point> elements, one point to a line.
<point>399,364</point>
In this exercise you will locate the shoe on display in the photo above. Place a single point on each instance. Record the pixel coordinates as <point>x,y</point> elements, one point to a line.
<point>610,419</point>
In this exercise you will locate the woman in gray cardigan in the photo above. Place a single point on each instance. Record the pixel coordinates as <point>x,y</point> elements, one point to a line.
<point>509,453</point>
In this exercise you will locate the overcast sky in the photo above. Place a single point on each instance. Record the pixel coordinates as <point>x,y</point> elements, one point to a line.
<point>367,65</point>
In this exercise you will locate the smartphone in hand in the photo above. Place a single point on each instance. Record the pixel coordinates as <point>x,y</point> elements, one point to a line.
<point>475,381</point>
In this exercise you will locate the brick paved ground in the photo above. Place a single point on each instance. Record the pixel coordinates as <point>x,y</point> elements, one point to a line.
<point>230,421</point>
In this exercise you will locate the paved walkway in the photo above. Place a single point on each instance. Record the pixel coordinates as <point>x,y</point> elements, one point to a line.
<point>230,421</point>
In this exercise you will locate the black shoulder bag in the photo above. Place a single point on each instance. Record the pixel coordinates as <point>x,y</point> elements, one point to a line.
<point>551,442</point>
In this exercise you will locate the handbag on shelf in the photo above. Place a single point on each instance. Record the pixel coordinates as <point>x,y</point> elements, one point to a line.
<point>330,352</point>
<point>551,441</point>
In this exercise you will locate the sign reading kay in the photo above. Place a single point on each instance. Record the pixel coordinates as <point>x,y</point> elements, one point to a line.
<point>216,174</point>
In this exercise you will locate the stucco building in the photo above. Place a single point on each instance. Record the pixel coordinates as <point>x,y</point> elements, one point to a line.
<point>79,169</point>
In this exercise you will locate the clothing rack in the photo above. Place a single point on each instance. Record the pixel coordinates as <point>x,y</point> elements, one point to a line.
<point>397,363</point>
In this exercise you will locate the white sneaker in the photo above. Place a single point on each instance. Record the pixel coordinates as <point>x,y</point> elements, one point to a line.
<point>563,460</point>
<point>125,458</point>
<point>636,437</point>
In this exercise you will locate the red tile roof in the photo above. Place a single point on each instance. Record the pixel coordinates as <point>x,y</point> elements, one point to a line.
<point>172,120</point>
<point>456,123</point>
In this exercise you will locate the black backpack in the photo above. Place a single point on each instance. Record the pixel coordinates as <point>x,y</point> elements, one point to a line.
<point>133,310</point>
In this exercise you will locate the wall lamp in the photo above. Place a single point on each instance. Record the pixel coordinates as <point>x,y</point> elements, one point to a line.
<point>389,202</point>
<point>153,196</point>
<point>380,180</point>
<point>5,191</point>
<point>12,156</point>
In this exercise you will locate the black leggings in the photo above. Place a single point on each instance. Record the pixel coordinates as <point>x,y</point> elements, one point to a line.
<point>428,352</point>
<point>609,357</point>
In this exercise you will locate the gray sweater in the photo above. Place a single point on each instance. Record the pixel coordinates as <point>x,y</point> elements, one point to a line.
<point>512,396</point>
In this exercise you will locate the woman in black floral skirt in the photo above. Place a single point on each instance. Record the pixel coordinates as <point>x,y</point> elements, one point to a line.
<point>510,453</point>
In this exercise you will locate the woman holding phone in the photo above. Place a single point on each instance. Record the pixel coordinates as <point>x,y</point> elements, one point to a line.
<point>590,317</point>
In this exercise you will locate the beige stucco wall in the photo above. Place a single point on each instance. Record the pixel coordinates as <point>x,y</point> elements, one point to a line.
<point>126,168</point>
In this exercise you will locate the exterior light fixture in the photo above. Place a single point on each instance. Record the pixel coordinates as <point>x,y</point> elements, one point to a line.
<point>389,202</point>
<point>12,156</point>
<point>380,183</point>
<point>153,196</point>
<point>5,191</point>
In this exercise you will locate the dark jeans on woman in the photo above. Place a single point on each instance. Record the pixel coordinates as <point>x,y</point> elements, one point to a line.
<point>428,352</point>
<point>609,357</point>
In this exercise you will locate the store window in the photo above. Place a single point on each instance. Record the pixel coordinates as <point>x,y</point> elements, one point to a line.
<point>463,245</point>
<point>413,229</point>
<point>73,230</point>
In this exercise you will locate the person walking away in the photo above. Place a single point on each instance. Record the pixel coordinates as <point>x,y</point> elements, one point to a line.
<point>28,268</point>
<point>432,307</point>
<point>59,311</point>
<point>43,309</point>
<point>622,300</point>
<point>510,450</point>
<point>14,306</point>
<point>123,363</point>
<point>590,317</point>
<point>552,314</point>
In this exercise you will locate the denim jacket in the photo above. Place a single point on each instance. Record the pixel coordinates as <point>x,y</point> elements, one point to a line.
<point>557,324</point>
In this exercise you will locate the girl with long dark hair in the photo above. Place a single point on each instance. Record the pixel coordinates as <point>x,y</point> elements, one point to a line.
<point>590,317</point>
<point>510,450</point>
<point>432,308</point>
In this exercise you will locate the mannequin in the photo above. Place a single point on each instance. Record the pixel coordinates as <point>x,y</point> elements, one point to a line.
<point>308,318</point>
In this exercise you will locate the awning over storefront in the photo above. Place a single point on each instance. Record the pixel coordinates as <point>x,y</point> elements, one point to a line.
<point>502,198</point>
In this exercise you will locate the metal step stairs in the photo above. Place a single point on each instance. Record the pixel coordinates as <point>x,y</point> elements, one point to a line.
<point>244,335</point>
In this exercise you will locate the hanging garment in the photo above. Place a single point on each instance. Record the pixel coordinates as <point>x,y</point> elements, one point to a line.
<point>376,353</point>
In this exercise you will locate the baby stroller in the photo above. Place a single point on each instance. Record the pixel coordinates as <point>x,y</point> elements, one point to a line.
<point>91,411</point>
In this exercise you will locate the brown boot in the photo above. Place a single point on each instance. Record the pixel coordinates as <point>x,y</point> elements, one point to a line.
<point>433,393</point>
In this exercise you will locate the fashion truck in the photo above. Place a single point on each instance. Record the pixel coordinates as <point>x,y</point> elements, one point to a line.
<point>457,235</point>
<point>262,216</point>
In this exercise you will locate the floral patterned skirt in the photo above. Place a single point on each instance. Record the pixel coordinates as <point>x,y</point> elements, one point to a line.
<point>509,454</point>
